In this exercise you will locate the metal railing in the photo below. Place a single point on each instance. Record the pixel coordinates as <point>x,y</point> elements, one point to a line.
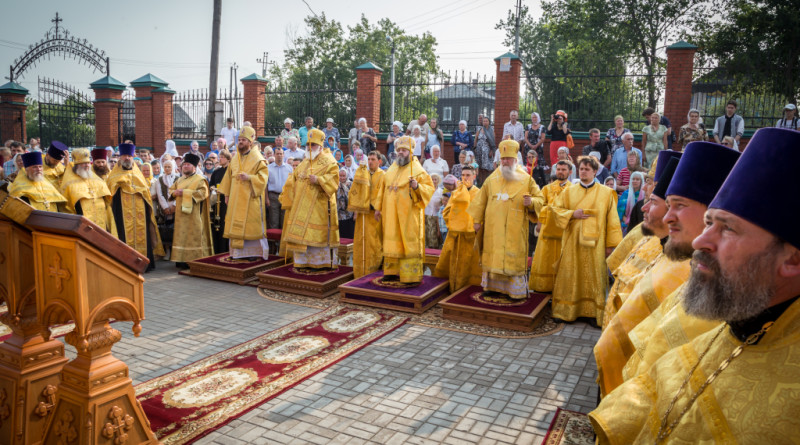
<point>190,112</point>
<point>448,97</point>
<point>712,88</point>
<point>591,100</point>
<point>299,102</point>
<point>66,114</point>
<point>127,117</point>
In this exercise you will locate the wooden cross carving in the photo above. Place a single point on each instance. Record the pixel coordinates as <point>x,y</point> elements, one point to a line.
<point>58,273</point>
<point>118,429</point>
<point>64,429</point>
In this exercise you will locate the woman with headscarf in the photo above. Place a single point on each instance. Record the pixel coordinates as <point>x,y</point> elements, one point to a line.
<point>288,131</point>
<point>170,151</point>
<point>347,222</point>
<point>350,166</point>
<point>484,148</point>
<point>397,131</point>
<point>462,139</point>
<point>164,208</point>
<point>692,130</point>
<point>628,200</point>
<point>431,214</point>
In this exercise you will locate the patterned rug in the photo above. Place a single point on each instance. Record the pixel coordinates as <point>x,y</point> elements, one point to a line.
<point>195,400</point>
<point>431,318</point>
<point>569,428</point>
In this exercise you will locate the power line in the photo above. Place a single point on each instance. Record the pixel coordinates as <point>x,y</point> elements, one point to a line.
<point>433,20</point>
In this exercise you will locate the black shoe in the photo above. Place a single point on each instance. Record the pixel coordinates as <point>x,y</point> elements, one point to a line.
<point>491,293</point>
<point>391,278</point>
<point>182,266</point>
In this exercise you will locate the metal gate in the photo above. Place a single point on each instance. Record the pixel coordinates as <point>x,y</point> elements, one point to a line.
<point>66,114</point>
<point>127,118</point>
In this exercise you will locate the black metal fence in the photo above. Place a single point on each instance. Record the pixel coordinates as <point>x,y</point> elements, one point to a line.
<point>297,103</point>
<point>66,114</point>
<point>190,112</point>
<point>127,117</point>
<point>712,88</point>
<point>592,100</point>
<point>448,97</point>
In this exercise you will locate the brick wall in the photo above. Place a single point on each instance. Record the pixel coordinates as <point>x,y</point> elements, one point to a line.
<point>106,109</point>
<point>143,106</point>
<point>12,109</point>
<point>254,90</point>
<point>368,93</point>
<point>678,92</point>
<point>506,93</point>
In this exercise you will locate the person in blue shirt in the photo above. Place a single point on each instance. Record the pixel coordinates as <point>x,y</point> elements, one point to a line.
<point>337,154</point>
<point>620,158</point>
<point>462,139</point>
<point>329,131</point>
<point>304,132</point>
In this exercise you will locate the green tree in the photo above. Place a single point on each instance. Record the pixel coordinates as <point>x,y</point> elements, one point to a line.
<point>32,117</point>
<point>757,43</point>
<point>322,63</point>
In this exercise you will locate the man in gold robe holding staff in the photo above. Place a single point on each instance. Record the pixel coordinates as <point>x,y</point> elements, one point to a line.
<point>401,208</point>
<point>312,226</point>
<point>501,211</point>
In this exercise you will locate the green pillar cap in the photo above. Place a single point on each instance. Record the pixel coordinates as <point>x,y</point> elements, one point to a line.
<point>510,55</point>
<point>148,80</point>
<point>682,45</point>
<point>254,76</point>
<point>107,83</point>
<point>13,88</point>
<point>369,66</point>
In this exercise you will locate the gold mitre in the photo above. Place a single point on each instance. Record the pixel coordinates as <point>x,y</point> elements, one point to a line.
<point>316,136</point>
<point>406,142</point>
<point>81,156</point>
<point>248,133</point>
<point>509,149</point>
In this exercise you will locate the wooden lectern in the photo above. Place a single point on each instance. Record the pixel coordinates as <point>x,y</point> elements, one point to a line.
<point>85,275</point>
<point>30,366</point>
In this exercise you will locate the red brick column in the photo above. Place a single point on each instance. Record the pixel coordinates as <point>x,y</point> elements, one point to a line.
<point>368,94</point>
<point>145,88</point>
<point>12,112</point>
<point>107,104</point>
<point>506,96</point>
<point>254,102</point>
<point>162,118</point>
<point>678,93</point>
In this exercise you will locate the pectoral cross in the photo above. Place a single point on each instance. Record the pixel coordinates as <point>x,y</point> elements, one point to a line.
<point>58,273</point>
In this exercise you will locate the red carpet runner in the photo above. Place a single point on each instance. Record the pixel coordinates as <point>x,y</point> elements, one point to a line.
<point>193,401</point>
<point>569,428</point>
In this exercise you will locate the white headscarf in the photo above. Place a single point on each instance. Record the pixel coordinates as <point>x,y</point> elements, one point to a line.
<point>399,125</point>
<point>169,179</point>
<point>170,150</point>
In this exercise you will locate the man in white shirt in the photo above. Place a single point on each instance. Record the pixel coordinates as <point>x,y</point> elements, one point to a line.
<point>278,174</point>
<point>424,126</point>
<point>436,164</point>
<point>514,128</point>
<point>231,136</point>
<point>292,152</point>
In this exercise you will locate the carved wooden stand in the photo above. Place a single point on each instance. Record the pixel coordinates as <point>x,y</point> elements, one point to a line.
<point>30,366</point>
<point>96,401</point>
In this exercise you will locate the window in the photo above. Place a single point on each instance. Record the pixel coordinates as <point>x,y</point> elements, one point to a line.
<point>447,114</point>
<point>465,114</point>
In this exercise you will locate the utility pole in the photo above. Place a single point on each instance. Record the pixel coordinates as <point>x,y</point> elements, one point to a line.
<point>264,63</point>
<point>516,31</point>
<point>212,81</point>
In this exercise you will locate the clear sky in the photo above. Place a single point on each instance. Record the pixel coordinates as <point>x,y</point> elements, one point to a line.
<point>172,38</point>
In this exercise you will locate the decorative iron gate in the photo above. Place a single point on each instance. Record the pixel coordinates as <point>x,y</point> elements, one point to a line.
<point>65,114</point>
<point>127,117</point>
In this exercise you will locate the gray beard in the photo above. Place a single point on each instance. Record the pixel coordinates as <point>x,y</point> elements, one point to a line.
<point>509,172</point>
<point>38,177</point>
<point>716,295</point>
<point>83,173</point>
<point>402,162</point>
<point>127,165</point>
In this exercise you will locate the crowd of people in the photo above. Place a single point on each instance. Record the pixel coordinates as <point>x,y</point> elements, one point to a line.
<point>664,248</point>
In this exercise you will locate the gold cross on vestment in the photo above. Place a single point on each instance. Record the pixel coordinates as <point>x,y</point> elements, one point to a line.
<point>58,273</point>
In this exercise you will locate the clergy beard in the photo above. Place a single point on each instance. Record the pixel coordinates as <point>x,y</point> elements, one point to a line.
<point>647,231</point>
<point>312,154</point>
<point>716,295</point>
<point>127,164</point>
<point>82,171</point>
<point>402,161</point>
<point>100,171</point>
<point>37,177</point>
<point>509,172</point>
<point>676,251</point>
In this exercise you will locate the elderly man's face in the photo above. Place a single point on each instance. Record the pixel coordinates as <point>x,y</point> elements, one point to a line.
<point>513,115</point>
<point>342,176</point>
<point>422,119</point>
<point>292,143</point>
<point>34,172</point>
<point>627,141</point>
<point>508,162</point>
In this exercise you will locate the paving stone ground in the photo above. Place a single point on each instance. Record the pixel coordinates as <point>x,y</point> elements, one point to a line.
<point>417,385</point>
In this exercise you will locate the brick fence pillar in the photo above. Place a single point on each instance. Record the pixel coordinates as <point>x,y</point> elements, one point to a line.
<point>162,118</point>
<point>368,94</point>
<point>678,92</point>
<point>12,112</point>
<point>506,96</point>
<point>254,101</point>
<point>107,105</point>
<point>144,87</point>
